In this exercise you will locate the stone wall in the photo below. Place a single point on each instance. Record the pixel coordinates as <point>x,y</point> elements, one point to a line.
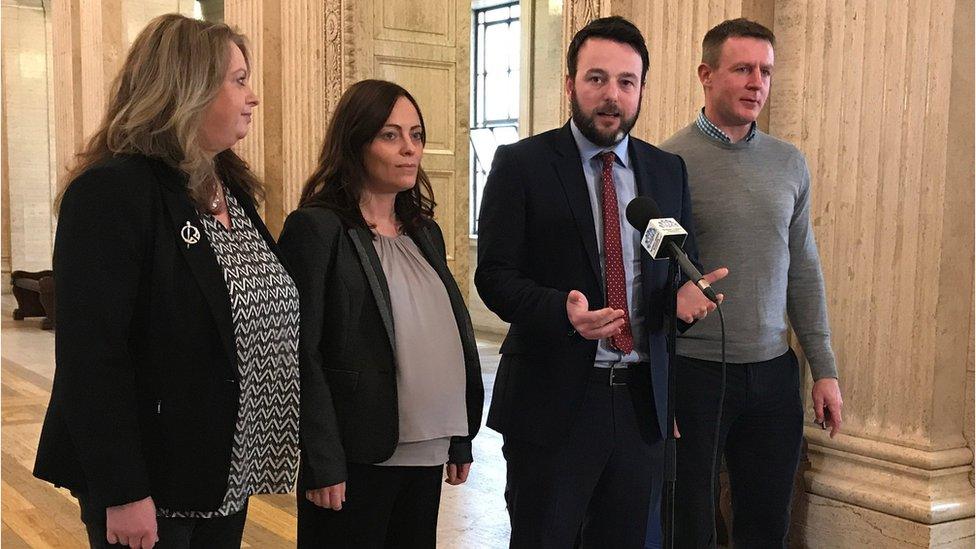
<point>27,145</point>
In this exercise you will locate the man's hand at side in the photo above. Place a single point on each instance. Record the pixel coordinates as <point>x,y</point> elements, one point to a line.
<point>826,394</point>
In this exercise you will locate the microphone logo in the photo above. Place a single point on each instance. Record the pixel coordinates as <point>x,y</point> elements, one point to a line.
<point>658,231</point>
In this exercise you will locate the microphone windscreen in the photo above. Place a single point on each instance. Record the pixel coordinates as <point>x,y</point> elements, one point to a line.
<point>641,210</point>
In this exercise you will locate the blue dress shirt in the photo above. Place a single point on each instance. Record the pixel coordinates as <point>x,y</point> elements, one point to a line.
<point>626,187</point>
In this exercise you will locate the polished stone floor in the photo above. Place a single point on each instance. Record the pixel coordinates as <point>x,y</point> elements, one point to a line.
<point>35,514</point>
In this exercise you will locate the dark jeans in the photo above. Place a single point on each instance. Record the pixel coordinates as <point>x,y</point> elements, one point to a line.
<point>385,507</point>
<point>593,489</point>
<point>761,433</point>
<point>174,533</point>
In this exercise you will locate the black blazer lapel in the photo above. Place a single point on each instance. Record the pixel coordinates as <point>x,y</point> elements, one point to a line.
<point>362,240</point>
<point>201,259</point>
<point>569,168</point>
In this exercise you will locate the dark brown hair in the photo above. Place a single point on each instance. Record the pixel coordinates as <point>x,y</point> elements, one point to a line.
<point>614,28</point>
<point>338,180</point>
<point>172,73</point>
<point>716,37</point>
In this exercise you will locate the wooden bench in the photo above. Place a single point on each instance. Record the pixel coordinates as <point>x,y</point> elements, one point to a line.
<point>35,296</point>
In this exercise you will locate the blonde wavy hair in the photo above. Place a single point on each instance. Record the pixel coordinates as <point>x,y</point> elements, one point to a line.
<point>173,71</point>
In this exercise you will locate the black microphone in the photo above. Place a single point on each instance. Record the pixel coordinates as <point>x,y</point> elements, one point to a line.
<point>663,237</point>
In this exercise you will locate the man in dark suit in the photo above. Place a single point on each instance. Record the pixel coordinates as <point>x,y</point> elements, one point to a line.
<point>581,391</point>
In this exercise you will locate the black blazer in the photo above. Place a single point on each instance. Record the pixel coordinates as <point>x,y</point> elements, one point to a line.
<point>536,242</point>
<point>348,368</point>
<point>145,394</point>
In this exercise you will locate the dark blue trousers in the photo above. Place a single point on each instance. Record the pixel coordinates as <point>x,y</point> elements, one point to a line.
<point>761,433</point>
<point>592,491</point>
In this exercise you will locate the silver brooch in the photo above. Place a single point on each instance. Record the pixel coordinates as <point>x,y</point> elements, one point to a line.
<point>190,234</point>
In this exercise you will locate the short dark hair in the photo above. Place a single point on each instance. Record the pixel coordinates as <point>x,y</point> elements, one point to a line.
<point>614,28</point>
<point>741,27</point>
<point>340,176</point>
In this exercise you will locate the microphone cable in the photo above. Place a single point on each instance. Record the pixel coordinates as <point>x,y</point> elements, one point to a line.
<point>712,481</point>
<point>718,432</point>
<point>670,457</point>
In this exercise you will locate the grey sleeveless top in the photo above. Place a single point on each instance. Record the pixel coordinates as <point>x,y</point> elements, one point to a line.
<point>429,358</point>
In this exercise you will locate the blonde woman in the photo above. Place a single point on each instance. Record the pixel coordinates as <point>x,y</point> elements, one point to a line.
<point>176,388</point>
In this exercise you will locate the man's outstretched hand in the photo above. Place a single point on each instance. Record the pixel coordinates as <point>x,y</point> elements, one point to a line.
<point>600,324</point>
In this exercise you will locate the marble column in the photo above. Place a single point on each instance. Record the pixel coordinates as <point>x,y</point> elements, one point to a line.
<point>67,98</point>
<point>27,175</point>
<point>878,95</point>
<point>289,51</point>
<point>101,51</point>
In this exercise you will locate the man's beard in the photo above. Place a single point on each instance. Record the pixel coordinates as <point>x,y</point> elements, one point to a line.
<point>587,124</point>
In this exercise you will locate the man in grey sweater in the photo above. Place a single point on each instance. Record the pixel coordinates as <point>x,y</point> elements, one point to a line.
<point>751,207</point>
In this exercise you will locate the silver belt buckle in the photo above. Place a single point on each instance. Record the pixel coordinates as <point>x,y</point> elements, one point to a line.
<point>613,373</point>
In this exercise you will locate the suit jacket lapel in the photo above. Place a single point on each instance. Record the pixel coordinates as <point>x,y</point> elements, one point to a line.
<point>200,257</point>
<point>644,178</point>
<point>362,240</point>
<point>569,168</point>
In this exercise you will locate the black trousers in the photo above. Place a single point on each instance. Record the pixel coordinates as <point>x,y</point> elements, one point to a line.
<point>761,433</point>
<point>174,533</point>
<point>385,507</point>
<point>593,489</point>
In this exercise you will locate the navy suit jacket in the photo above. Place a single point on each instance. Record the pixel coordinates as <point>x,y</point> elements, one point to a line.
<point>536,243</point>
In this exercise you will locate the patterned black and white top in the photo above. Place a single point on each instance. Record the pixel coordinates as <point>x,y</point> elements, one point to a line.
<point>264,306</point>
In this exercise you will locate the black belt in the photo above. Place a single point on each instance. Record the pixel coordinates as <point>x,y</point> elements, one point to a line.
<point>618,375</point>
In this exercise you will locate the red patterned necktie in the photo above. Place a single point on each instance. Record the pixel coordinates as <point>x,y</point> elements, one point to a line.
<point>613,256</point>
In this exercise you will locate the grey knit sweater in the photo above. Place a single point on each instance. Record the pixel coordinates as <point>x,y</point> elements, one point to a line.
<point>751,208</point>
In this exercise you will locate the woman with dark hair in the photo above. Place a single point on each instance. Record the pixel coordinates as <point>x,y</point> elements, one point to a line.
<point>176,386</point>
<point>391,383</point>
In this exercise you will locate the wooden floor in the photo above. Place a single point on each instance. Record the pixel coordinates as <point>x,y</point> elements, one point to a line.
<point>35,514</point>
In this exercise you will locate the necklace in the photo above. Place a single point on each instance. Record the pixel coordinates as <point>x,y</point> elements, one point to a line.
<point>218,198</point>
